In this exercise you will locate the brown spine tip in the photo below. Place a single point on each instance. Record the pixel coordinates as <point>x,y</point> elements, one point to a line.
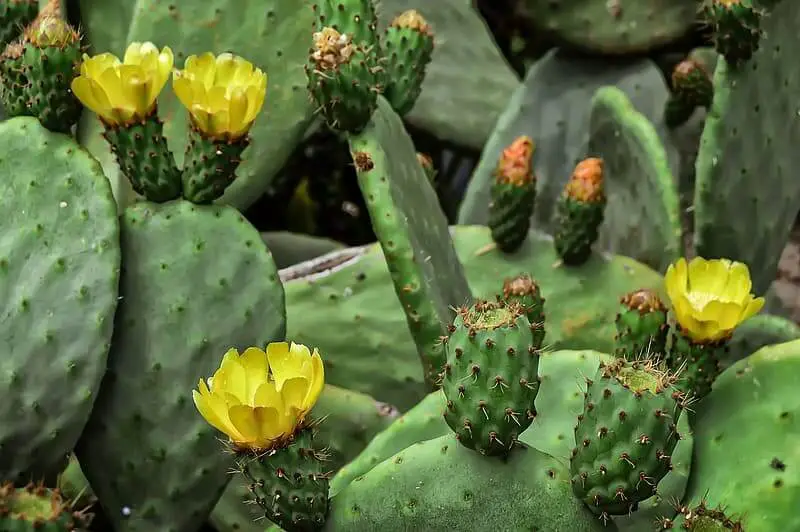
<point>521,285</point>
<point>515,165</point>
<point>412,19</point>
<point>587,181</point>
<point>363,161</point>
<point>331,49</point>
<point>644,301</point>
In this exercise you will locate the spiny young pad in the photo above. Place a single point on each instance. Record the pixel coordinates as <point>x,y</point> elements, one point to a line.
<point>513,194</point>
<point>290,484</point>
<point>344,80</point>
<point>407,49</point>
<point>736,26</point>
<point>580,212</point>
<point>15,15</point>
<point>50,58</point>
<point>209,166</point>
<point>625,435</point>
<point>701,518</point>
<point>525,291</point>
<point>641,325</point>
<point>699,363</point>
<point>40,509</point>
<point>491,377</point>
<point>13,81</point>
<point>692,87</point>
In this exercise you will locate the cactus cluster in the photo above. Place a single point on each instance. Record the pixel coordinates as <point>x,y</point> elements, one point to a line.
<point>588,379</point>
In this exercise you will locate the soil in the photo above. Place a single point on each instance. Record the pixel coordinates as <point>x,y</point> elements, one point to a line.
<point>787,285</point>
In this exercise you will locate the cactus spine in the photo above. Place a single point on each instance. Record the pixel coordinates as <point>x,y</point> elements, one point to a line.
<point>513,194</point>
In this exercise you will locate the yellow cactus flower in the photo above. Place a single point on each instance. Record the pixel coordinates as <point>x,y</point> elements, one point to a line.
<point>710,298</point>
<point>122,92</point>
<point>259,399</point>
<point>223,94</point>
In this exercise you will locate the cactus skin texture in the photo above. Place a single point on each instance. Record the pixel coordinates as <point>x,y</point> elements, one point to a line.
<point>407,47</point>
<point>625,436</point>
<point>702,518</point>
<point>579,212</point>
<point>491,376</point>
<point>691,88</point>
<point>209,166</point>
<point>290,484</point>
<point>344,80</point>
<point>37,508</point>
<point>14,16</point>
<point>699,364</point>
<point>642,326</point>
<point>513,194</point>
<point>50,58</point>
<point>355,18</point>
<point>525,291</point>
<point>737,28</point>
<point>145,159</point>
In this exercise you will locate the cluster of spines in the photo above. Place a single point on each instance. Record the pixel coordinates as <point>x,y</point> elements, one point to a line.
<point>736,27</point>
<point>632,475</point>
<point>513,194</point>
<point>701,518</point>
<point>40,508</point>
<point>580,211</point>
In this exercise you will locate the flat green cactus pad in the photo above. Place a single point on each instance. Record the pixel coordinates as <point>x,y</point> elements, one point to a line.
<point>615,26</point>
<point>196,281</point>
<point>580,308</point>
<point>747,190</point>
<point>275,35</point>
<point>553,107</point>
<point>746,451</point>
<point>642,218</point>
<point>59,276</point>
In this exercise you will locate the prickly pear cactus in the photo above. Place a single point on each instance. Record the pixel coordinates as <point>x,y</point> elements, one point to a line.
<point>642,326</point>
<point>59,275</point>
<point>196,280</point>
<point>748,153</point>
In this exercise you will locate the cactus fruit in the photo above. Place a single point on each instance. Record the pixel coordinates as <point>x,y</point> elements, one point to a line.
<point>625,436</point>
<point>524,290</point>
<point>580,211</point>
<point>491,376</point>
<point>355,18</point>
<point>290,484</point>
<point>642,326</point>
<point>692,87</point>
<point>702,518</point>
<point>513,194</point>
<point>343,79</point>
<point>50,58</point>
<point>407,47</point>
<point>15,15</point>
<point>736,26</point>
<point>40,509</point>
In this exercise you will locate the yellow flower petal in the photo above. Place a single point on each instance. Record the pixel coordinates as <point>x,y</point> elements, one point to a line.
<point>317,379</point>
<point>182,87</point>
<point>215,411</point>
<point>243,418</point>
<point>294,392</point>
<point>90,95</point>
<point>254,362</point>
<point>739,283</point>
<point>754,306</point>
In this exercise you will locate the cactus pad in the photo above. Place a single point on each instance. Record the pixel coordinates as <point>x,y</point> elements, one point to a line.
<point>642,218</point>
<point>59,272</point>
<point>196,281</point>
<point>748,155</point>
<point>642,326</point>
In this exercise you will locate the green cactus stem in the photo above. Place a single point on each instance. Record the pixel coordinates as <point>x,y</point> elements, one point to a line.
<point>702,518</point>
<point>50,57</point>
<point>525,291</point>
<point>15,15</point>
<point>580,212</point>
<point>736,26</point>
<point>491,377</point>
<point>513,195</point>
<point>355,18</point>
<point>698,363</point>
<point>642,326</point>
<point>692,87</point>
<point>407,47</point>
<point>290,484</point>
<point>35,507</point>
<point>209,166</point>
<point>344,80</point>
<point>145,159</point>
<point>426,163</point>
<point>13,81</point>
<point>625,435</point>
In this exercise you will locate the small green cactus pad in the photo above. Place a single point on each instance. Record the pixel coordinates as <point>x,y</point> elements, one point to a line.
<point>613,27</point>
<point>526,291</point>
<point>759,331</point>
<point>553,108</point>
<point>14,16</point>
<point>642,326</point>
<point>746,433</point>
<point>274,34</point>
<point>59,276</point>
<point>293,248</point>
<point>40,509</point>
<point>412,230</point>
<point>642,218</point>
<point>465,116</point>
<point>353,288</point>
<point>748,154</point>
<point>442,482</point>
<point>407,47</point>
<point>196,281</point>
